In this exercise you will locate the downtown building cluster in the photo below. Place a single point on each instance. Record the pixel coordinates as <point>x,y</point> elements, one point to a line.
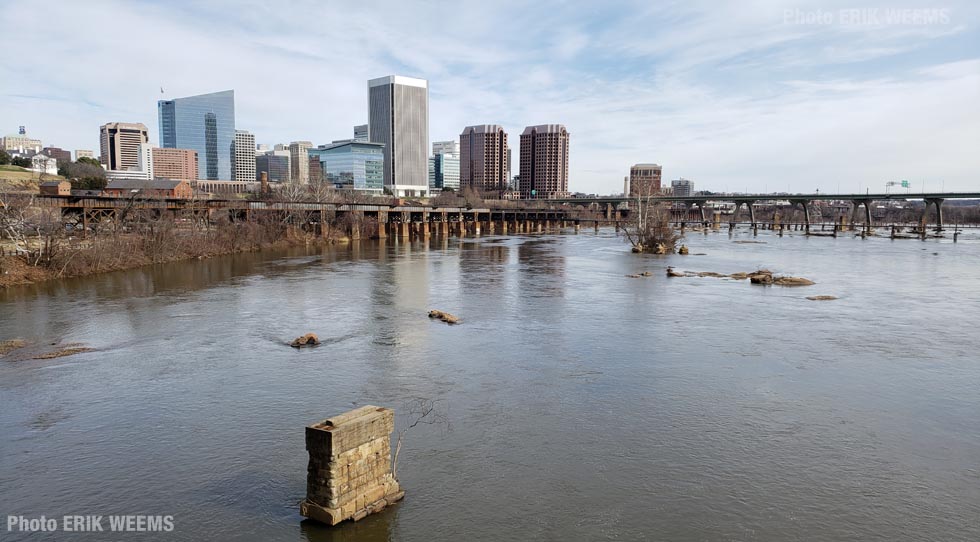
<point>201,144</point>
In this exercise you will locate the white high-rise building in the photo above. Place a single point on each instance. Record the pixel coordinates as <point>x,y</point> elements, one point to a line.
<point>398,109</point>
<point>243,167</point>
<point>299,161</point>
<point>445,147</point>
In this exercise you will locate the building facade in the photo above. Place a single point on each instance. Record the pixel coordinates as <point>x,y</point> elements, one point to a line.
<point>206,124</point>
<point>276,166</point>
<point>244,153</point>
<point>398,110</point>
<point>445,147</point>
<point>55,188</point>
<point>544,162</point>
<point>61,155</point>
<point>20,144</point>
<point>299,161</point>
<point>361,133</point>
<point>119,144</point>
<point>444,172</point>
<point>483,157</point>
<point>352,165</point>
<point>43,163</point>
<point>82,153</point>
<point>175,164</point>
<point>644,179</point>
<point>682,187</point>
<point>156,188</point>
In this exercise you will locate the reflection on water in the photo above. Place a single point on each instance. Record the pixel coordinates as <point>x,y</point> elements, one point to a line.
<point>584,404</point>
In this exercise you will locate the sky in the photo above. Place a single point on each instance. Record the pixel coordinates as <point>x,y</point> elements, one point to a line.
<point>742,96</point>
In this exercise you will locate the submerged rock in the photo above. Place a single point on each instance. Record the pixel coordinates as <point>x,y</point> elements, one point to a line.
<point>821,297</point>
<point>444,316</point>
<point>793,281</point>
<point>12,344</point>
<point>310,339</point>
<point>683,251</point>
<point>672,273</point>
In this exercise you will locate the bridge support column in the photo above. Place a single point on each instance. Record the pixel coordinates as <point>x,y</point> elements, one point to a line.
<point>867,215</point>
<point>382,224</point>
<point>597,226</point>
<point>938,202</point>
<point>734,220</point>
<point>806,214</point>
<point>751,206</point>
<point>578,227</point>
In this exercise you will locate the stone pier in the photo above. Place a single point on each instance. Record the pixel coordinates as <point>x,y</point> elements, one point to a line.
<point>349,474</point>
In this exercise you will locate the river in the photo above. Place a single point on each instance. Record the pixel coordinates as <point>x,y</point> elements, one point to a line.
<point>583,404</point>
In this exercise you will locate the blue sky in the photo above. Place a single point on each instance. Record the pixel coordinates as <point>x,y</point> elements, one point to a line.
<point>753,95</point>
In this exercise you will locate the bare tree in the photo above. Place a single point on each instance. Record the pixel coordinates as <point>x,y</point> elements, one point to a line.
<point>419,411</point>
<point>648,228</point>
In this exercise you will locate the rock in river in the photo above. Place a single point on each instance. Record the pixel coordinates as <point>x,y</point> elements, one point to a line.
<point>309,339</point>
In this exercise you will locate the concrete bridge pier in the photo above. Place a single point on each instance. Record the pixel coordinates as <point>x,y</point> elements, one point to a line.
<point>806,214</point>
<point>938,202</point>
<point>751,207</point>
<point>597,226</point>
<point>382,224</point>
<point>734,220</point>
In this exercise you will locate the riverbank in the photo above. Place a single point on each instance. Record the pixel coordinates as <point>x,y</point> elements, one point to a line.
<point>118,253</point>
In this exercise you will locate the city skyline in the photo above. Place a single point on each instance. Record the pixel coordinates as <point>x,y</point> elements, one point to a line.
<point>737,97</point>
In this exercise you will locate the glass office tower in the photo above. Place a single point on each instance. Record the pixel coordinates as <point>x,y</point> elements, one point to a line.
<point>352,165</point>
<point>206,124</point>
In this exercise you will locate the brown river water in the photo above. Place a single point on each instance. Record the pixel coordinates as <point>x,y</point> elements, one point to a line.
<point>583,405</point>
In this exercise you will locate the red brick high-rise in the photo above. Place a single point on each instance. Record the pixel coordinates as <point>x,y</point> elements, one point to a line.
<point>483,158</point>
<point>544,162</point>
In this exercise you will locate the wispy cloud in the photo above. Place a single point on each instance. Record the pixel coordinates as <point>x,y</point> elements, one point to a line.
<point>735,96</point>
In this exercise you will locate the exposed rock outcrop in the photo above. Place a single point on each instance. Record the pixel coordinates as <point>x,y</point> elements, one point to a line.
<point>792,281</point>
<point>310,339</point>
<point>12,344</point>
<point>683,251</point>
<point>444,316</point>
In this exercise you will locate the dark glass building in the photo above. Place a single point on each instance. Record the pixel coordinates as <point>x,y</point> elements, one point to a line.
<point>206,124</point>
<point>277,167</point>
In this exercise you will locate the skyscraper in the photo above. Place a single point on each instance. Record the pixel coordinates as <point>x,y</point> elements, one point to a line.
<point>244,156</point>
<point>645,179</point>
<point>544,162</point>
<point>299,160</point>
<point>398,110</point>
<point>444,171</point>
<point>119,143</point>
<point>361,132</point>
<point>204,123</point>
<point>483,158</point>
